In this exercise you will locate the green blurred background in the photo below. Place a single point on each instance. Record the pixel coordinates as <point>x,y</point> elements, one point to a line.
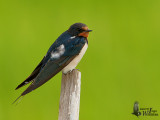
<point>121,65</point>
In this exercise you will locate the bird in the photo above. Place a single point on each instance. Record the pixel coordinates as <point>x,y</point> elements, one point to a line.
<point>136,109</point>
<point>63,55</point>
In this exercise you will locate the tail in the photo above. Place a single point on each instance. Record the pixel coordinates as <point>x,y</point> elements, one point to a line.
<point>18,100</point>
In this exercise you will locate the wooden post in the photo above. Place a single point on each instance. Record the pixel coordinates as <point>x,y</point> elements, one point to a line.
<point>70,96</point>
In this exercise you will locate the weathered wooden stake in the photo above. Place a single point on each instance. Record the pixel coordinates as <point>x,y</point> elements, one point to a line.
<point>70,96</point>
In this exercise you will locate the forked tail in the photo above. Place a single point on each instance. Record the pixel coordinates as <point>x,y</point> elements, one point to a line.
<point>18,100</point>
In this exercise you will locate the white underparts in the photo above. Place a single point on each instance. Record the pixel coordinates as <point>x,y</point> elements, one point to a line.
<point>60,50</point>
<point>75,61</point>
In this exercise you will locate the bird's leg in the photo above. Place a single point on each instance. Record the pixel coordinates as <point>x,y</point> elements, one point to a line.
<point>70,71</point>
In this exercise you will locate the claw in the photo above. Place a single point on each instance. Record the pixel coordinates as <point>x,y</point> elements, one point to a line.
<point>77,69</point>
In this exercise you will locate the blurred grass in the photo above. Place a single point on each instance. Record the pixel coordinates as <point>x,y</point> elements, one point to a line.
<point>121,64</point>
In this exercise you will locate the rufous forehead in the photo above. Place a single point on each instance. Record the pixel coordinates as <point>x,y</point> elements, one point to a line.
<point>85,28</point>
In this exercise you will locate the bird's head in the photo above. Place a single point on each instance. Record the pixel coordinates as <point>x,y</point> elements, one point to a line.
<point>79,29</point>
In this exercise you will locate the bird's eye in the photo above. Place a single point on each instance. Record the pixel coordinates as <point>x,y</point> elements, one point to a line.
<point>80,30</point>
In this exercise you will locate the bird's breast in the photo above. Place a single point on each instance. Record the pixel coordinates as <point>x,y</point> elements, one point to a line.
<point>76,60</point>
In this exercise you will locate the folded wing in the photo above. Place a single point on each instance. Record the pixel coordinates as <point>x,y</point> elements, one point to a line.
<point>49,67</point>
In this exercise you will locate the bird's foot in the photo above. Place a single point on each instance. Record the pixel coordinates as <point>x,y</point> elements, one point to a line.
<point>68,72</point>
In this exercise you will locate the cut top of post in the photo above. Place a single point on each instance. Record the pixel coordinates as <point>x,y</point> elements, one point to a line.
<point>70,96</point>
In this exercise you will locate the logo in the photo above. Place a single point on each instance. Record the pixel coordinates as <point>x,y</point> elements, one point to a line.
<point>143,111</point>
<point>136,109</point>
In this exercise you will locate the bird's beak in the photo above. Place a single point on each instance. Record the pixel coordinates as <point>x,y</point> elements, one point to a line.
<point>88,30</point>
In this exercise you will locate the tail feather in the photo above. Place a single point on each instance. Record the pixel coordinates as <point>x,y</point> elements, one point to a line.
<point>23,83</point>
<point>32,76</point>
<point>18,99</point>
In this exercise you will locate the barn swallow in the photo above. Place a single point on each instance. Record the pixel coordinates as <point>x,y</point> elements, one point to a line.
<point>63,55</point>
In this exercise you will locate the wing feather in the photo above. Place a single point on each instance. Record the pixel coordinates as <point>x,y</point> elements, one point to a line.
<point>50,67</point>
<point>32,76</point>
<point>49,70</point>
